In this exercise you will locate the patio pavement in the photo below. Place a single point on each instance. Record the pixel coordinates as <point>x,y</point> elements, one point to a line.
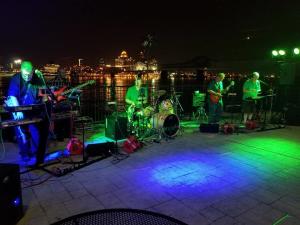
<point>197,178</point>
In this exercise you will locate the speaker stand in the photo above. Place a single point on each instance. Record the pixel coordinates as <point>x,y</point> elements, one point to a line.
<point>117,156</point>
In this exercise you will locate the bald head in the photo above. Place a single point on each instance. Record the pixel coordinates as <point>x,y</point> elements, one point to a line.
<point>220,76</point>
<point>26,70</point>
<point>255,76</point>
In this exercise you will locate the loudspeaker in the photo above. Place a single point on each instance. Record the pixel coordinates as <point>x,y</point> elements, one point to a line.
<point>11,205</point>
<point>116,127</point>
<point>209,128</point>
<point>100,149</point>
<point>287,73</point>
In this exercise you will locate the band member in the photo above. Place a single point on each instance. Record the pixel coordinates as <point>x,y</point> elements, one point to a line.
<point>215,102</point>
<point>59,127</point>
<point>136,95</point>
<point>24,90</point>
<point>251,89</point>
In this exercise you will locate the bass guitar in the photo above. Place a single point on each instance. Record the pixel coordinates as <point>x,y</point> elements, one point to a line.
<point>215,98</point>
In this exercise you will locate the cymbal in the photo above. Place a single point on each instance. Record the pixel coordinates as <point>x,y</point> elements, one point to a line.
<point>159,93</point>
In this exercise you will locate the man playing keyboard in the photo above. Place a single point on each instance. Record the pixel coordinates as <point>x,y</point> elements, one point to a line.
<point>251,89</point>
<point>24,90</point>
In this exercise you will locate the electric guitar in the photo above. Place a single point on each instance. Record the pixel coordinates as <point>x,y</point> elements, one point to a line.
<point>61,93</point>
<point>215,98</point>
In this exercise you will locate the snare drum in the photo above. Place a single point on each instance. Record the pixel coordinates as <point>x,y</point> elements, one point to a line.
<point>148,111</point>
<point>166,107</point>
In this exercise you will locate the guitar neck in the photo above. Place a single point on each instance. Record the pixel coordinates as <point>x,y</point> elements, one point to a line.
<point>72,89</point>
<point>227,88</point>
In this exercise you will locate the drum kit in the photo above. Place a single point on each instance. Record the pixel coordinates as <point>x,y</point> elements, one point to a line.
<point>156,119</point>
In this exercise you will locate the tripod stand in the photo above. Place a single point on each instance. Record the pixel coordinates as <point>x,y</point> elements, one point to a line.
<point>199,103</point>
<point>176,103</point>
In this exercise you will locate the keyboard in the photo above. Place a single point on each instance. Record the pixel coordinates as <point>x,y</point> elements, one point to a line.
<point>13,123</point>
<point>22,108</point>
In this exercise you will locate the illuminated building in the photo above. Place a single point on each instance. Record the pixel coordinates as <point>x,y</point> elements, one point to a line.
<point>146,65</point>
<point>124,61</point>
<point>51,68</point>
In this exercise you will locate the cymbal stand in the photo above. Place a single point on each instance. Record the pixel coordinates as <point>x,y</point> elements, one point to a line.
<point>141,117</point>
<point>176,102</point>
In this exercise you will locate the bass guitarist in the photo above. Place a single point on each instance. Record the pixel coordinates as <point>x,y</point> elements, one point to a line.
<point>215,102</point>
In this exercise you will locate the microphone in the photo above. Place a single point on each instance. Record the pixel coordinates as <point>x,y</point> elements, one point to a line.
<point>38,73</point>
<point>263,82</point>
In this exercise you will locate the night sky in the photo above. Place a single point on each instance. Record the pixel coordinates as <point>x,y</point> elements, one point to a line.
<point>62,31</point>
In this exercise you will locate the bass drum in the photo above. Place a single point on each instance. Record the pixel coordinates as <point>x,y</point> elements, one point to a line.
<point>169,123</point>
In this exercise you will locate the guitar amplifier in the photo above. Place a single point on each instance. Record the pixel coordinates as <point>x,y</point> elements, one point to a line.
<point>198,99</point>
<point>116,127</point>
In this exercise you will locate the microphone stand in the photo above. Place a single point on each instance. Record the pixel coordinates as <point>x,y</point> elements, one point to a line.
<point>142,95</point>
<point>40,75</point>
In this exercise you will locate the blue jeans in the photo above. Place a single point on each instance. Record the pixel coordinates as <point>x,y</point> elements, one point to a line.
<point>36,136</point>
<point>215,112</point>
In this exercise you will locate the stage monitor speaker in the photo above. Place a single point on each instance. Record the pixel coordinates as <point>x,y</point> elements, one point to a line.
<point>116,127</point>
<point>287,73</point>
<point>11,205</point>
<point>100,149</point>
<point>209,128</point>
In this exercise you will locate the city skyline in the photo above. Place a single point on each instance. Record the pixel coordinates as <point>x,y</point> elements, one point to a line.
<point>54,31</point>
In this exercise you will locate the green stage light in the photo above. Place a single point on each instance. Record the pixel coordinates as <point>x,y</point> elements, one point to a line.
<point>296,51</point>
<point>281,52</point>
<point>275,53</point>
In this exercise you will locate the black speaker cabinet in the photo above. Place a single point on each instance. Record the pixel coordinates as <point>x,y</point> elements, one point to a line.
<point>209,128</point>
<point>100,149</point>
<point>116,127</point>
<point>11,205</point>
<point>287,73</point>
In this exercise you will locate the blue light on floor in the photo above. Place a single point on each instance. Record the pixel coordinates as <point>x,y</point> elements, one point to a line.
<point>56,155</point>
<point>181,172</point>
<point>16,202</point>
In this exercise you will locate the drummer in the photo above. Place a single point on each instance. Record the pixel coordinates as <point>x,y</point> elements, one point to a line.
<point>136,95</point>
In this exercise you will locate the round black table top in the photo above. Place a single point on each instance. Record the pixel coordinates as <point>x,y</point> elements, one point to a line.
<point>120,217</point>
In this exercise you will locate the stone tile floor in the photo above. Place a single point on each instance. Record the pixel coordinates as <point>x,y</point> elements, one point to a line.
<point>197,178</point>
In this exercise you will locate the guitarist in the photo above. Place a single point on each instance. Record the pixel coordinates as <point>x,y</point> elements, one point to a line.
<point>59,127</point>
<point>215,102</point>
